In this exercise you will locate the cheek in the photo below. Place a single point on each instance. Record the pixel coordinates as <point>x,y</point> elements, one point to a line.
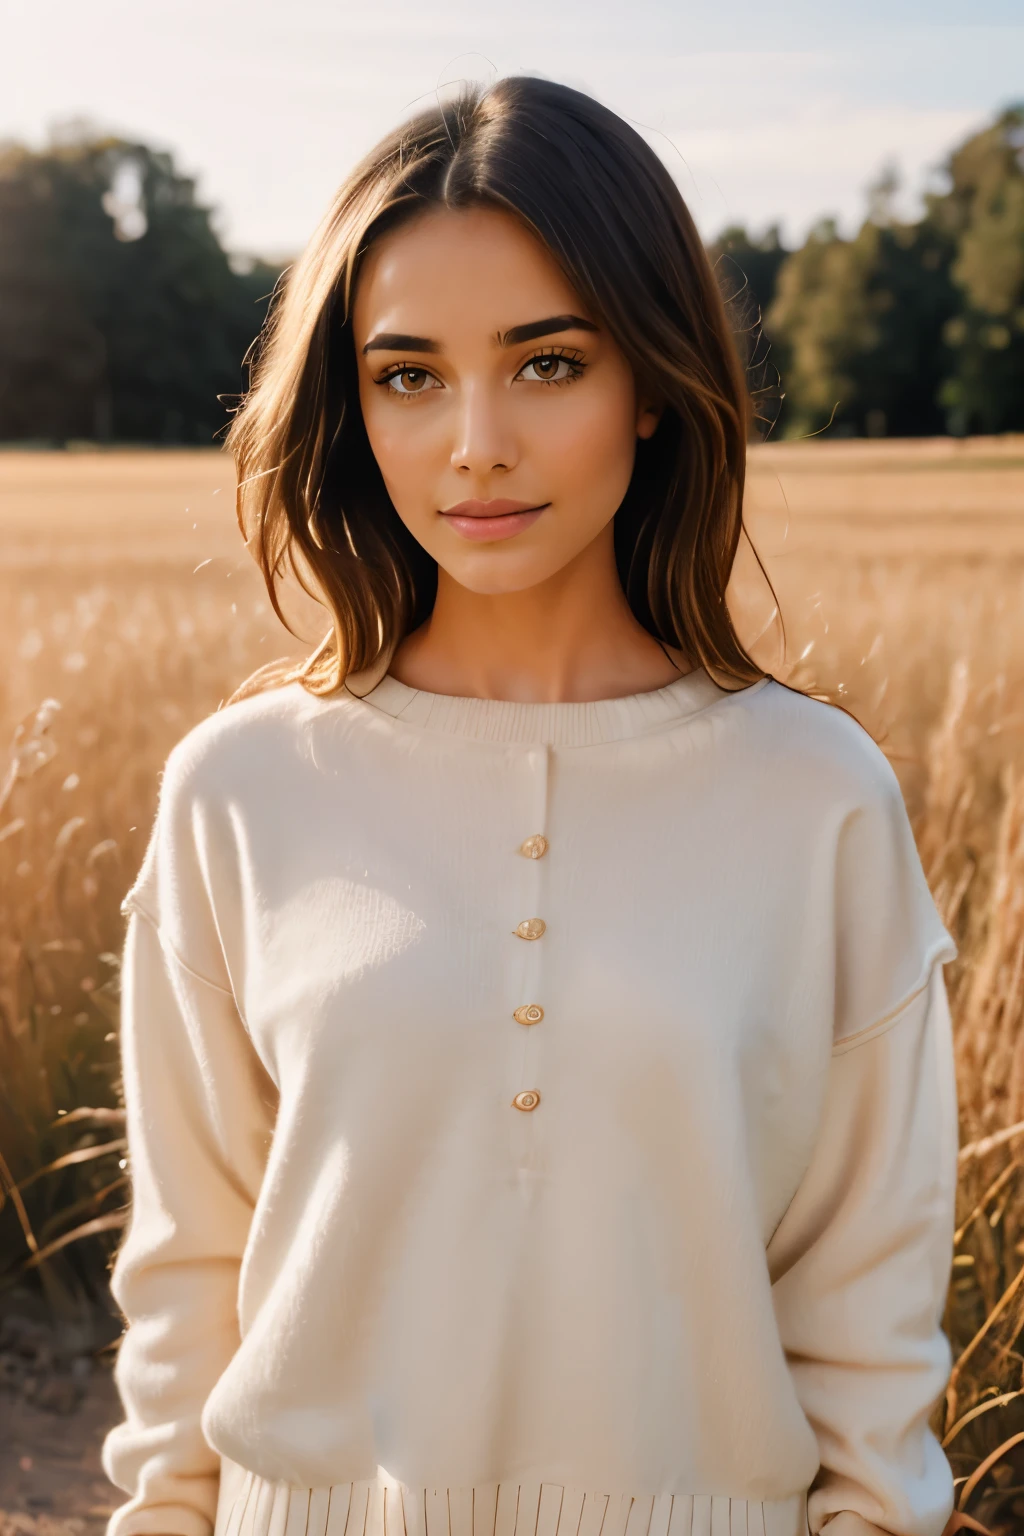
<point>592,438</point>
<point>401,438</point>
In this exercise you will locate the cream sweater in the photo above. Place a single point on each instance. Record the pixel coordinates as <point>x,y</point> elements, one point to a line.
<point>541,1122</point>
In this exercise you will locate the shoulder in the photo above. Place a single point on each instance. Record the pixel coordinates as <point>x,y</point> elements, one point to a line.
<point>246,751</point>
<point>833,800</point>
<point>258,735</point>
<point>807,750</point>
<point>244,754</point>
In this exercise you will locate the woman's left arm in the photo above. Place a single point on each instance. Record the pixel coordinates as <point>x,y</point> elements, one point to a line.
<point>860,1265</point>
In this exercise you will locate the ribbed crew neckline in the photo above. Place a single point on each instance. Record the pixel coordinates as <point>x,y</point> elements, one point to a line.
<point>580,724</point>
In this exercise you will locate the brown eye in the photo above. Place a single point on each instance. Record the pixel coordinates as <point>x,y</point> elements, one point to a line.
<point>409,381</point>
<point>552,368</point>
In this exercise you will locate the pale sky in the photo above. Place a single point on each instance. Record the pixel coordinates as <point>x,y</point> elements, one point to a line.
<point>779,110</point>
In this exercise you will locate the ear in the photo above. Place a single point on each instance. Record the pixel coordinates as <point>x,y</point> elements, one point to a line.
<point>648,415</point>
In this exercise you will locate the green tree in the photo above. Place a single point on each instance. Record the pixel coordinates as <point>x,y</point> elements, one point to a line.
<point>862,322</point>
<point>913,328</point>
<point>982,213</point>
<point>121,317</point>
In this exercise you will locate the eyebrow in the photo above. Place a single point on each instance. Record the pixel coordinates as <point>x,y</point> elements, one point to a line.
<point>398,341</point>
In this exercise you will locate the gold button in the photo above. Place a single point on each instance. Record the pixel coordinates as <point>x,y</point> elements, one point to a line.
<point>531,928</point>
<point>528,1099</point>
<point>529,1013</point>
<point>535,847</point>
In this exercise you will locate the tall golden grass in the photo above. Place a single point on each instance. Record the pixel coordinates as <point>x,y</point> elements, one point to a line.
<point>128,612</point>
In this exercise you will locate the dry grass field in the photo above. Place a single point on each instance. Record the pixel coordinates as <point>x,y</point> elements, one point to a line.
<point>129,609</point>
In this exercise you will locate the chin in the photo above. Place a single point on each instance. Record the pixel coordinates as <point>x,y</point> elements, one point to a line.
<point>492,575</point>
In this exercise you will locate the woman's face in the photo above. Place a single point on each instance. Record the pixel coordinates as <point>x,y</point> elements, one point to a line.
<point>503,418</point>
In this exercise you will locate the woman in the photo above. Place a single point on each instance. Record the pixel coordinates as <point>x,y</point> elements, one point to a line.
<point>536,1052</point>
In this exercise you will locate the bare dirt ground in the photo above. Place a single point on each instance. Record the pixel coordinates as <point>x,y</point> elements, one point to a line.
<point>57,1401</point>
<point>51,1481</point>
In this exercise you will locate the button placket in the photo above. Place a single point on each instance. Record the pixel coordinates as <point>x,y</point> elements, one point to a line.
<point>530,936</point>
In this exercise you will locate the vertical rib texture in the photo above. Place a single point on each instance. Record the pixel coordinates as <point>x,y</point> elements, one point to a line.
<point>264,1508</point>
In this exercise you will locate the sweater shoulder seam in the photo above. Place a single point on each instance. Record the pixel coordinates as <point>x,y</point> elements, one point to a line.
<point>879,1027</point>
<point>938,952</point>
<point>133,904</point>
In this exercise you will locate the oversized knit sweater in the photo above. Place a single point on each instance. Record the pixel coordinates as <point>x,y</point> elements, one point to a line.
<point>541,1122</point>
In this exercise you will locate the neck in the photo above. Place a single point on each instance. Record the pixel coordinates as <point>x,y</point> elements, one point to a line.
<point>570,638</point>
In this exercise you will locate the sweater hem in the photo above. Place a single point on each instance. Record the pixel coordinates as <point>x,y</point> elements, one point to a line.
<point>251,1505</point>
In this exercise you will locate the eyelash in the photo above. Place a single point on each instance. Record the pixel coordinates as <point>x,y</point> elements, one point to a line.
<point>565,354</point>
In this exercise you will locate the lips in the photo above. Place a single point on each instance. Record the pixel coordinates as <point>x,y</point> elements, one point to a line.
<point>497,508</point>
<point>485,521</point>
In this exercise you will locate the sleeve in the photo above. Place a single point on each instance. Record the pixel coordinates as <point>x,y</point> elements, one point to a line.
<point>199,1112</point>
<point>860,1265</point>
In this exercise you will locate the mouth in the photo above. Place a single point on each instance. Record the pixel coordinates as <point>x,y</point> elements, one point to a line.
<point>489,520</point>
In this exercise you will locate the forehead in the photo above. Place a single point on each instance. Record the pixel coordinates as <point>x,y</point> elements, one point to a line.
<point>464,266</point>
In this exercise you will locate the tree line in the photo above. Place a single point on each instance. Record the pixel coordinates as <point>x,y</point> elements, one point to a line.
<point>907,329</point>
<point>124,320</point>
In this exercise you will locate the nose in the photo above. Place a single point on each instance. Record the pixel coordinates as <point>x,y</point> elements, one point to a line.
<point>483,437</point>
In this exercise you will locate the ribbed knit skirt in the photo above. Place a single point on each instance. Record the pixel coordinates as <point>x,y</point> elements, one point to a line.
<point>250,1505</point>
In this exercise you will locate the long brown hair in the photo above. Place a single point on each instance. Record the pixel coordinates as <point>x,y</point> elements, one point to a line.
<point>310,495</point>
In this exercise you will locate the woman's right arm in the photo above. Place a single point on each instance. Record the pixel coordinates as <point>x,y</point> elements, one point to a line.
<point>200,1112</point>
